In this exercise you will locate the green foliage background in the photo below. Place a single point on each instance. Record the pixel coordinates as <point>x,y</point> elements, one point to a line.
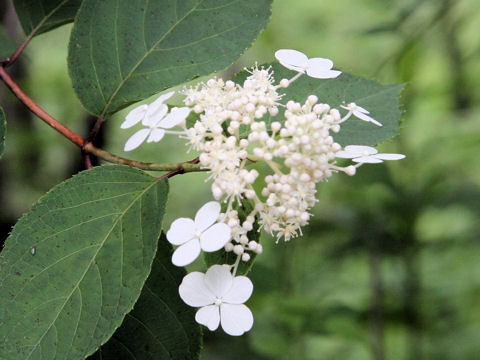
<point>390,266</point>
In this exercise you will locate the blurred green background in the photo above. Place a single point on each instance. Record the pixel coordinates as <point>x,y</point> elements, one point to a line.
<point>389,267</point>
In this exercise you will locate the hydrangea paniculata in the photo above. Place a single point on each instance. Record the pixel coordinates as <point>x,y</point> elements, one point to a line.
<point>231,133</point>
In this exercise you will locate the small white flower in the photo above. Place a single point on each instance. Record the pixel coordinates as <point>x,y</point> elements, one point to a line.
<point>319,68</point>
<point>366,154</point>
<point>201,234</point>
<point>360,113</point>
<point>220,297</point>
<point>155,118</point>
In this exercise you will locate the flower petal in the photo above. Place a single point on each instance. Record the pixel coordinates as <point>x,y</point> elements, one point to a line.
<point>368,160</point>
<point>156,135</point>
<point>218,279</point>
<point>365,117</point>
<point>207,215</point>
<point>328,74</point>
<point>175,117</point>
<point>235,319</point>
<point>181,230</point>
<point>193,291</point>
<point>343,154</point>
<point>215,237</point>
<point>320,64</point>
<point>386,156</point>
<point>165,96</point>
<point>186,253</point>
<point>136,139</point>
<point>360,150</point>
<point>349,107</point>
<point>134,116</point>
<point>208,316</point>
<point>240,291</point>
<point>154,106</point>
<point>292,59</point>
<point>154,115</point>
<point>360,109</point>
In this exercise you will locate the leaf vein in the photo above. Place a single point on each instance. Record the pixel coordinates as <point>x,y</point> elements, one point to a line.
<point>142,59</point>
<point>90,264</point>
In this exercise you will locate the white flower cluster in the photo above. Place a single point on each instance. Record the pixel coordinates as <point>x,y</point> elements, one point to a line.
<point>235,128</point>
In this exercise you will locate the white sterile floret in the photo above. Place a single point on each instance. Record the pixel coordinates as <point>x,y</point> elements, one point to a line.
<point>319,68</point>
<point>220,297</point>
<point>360,113</point>
<point>202,234</point>
<point>155,118</point>
<point>366,154</point>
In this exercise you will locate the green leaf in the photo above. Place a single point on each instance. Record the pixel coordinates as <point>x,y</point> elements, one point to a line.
<point>380,100</point>
<point>39,16</point>
<point>7,45</point>
<point>161,325</point>
<point>223,257</point>
<point>3,131</point>
<point>75,264</point>
<point>124,51</point>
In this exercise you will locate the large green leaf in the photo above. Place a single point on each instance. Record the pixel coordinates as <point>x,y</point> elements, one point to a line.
<point>3,130</point>
<point>74,266</point>
<point>160,326</point>
<point>124,51</point>
<point>381,100</point>
<point>38,16</point>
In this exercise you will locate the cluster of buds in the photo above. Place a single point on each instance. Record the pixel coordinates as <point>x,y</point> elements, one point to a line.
<point>234,129</point>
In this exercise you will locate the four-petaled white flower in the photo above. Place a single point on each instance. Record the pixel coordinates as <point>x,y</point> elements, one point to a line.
<point>366,154</point>
<point>220,297</point>
<point>154,117</point>
<point>201,234</point>
<point>319,68</point>
<point>360,113</point>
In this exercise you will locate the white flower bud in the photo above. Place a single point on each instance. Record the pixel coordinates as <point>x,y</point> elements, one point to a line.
<point>245,257</point>
<point>305,216</point>
<point>250,108</point>
<point>312,99</point>
<point>350,170</point>
<point>275,126</point>
<point>273,111</point>
<point>238,249</point>
<point>305,177</point>
<point>247,225</point>
<point>284,83</point>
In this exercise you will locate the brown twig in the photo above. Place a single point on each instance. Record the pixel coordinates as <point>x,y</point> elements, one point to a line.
<point>189,166</point>
<point>10,60</point>
<point>37,110</point>
<point>87,146</point>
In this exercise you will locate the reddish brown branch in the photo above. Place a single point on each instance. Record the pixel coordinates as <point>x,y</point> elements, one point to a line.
<point>10,60</point>
<point>37,110</point>
<point>87,146</point>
